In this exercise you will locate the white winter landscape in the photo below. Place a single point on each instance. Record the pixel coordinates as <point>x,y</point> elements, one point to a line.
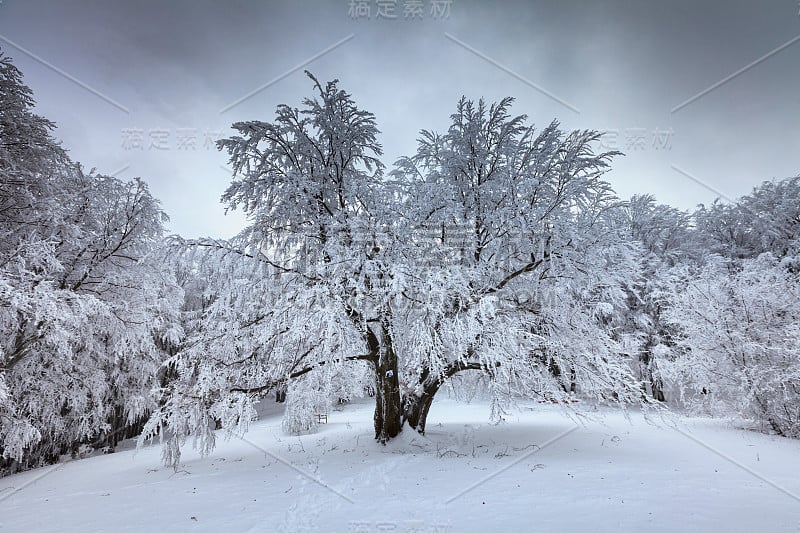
<point>538,471</point>
<point>399,265</point>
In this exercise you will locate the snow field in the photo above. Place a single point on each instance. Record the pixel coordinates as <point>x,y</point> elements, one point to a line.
<point>538,471</point>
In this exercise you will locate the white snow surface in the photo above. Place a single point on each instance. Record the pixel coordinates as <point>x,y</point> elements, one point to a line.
<point>610,474</point>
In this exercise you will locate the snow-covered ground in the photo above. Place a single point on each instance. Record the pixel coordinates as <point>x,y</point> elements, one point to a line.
<point>536,472</point>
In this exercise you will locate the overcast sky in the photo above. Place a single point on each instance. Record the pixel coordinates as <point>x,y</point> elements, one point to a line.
<point>703,97</point>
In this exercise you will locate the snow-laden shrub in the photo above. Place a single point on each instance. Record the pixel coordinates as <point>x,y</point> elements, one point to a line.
<point>317,392</point>
<point>302,406</point>
<point>739,346</point>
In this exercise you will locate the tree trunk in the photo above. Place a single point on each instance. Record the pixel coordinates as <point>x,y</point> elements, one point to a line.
<point>388,409</point>
<point>647,362</point>
<point>416,408</point>
<point>417,405</point>
<point>657,388</point>
<point>280,394</point>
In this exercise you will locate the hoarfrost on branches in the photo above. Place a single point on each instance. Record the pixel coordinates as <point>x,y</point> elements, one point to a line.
<point>494,249</point>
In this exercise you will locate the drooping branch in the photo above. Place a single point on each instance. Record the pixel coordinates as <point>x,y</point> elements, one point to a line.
<point>305,370</point>
<point>227,248</point>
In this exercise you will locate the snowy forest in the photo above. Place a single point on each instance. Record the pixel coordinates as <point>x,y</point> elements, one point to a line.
<point>495,260</point>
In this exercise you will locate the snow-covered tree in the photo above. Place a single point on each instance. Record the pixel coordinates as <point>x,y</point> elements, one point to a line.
<point>736,318</point>
<point>738,341</point>
<point>83,311</point>
<point>495,248</point>
<point>516,243</point>
<point>83,303</point>
<point>766,220</point>
<point>301,288</point>
<point>667,240</point>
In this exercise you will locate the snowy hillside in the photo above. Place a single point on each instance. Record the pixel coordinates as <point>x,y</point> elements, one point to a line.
<point>536,472</point>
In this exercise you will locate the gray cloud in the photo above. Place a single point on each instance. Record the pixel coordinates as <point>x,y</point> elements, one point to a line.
<point>624,65</point>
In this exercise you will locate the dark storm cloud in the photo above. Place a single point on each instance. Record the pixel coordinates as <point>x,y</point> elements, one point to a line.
<point>624,65</point>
